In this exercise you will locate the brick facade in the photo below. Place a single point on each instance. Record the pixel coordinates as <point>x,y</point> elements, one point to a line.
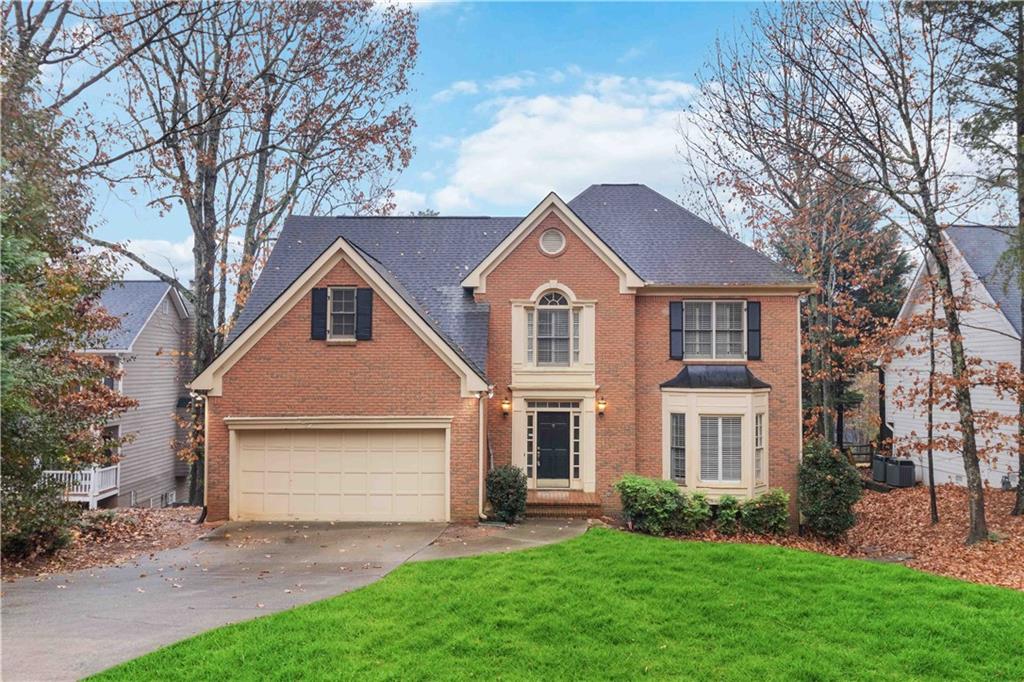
<point>778,367</point>
<point>287,374</point>
<point>395,373</point>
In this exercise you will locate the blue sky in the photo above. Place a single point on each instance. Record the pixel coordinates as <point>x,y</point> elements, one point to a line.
<point>516,99</point>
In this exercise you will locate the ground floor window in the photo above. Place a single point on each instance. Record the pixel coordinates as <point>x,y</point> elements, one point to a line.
<point>759,447</point>
<point>721,448</point>
<point>677,447</point>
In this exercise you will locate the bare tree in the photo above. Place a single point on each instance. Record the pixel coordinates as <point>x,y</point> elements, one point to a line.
<point>263,109</point>
<point>885,73</point>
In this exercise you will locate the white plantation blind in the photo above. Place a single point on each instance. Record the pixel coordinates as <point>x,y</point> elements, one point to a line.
<point>721,448</point>
<point>709,448</point>
<point>678,441</point>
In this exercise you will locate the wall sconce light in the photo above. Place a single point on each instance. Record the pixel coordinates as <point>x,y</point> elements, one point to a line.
<point>602,404</point>
<point>506,407</point>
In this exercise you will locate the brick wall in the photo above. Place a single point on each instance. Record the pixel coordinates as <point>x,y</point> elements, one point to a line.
<point>778,367</point>
<point>583,271</point>
<point>396,373</point>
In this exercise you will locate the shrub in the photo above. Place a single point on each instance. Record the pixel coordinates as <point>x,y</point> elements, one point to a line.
<point>36,519</point>
<point>766,514</point>
<point>694,513</point>
<point>506,491</point>
<point>829,487</point>
<point>649,504</point>
<point>727,518</point>
<point>658,507</point>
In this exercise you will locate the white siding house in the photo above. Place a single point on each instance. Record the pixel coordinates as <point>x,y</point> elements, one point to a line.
<point>150,348</point>
<point>991,329</point>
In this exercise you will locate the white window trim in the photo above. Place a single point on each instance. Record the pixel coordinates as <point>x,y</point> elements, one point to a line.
<point>759,448</point>
<point>117,365</point>
<point>714,330</point>
<point>671,447</point>
<point>330,314</point>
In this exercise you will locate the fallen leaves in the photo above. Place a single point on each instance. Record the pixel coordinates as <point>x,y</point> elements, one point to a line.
<point>115,536</point>
<point>896,527</point>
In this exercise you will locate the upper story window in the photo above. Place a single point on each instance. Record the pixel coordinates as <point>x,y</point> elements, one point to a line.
<point>112,379</point>
<point>342,307</point>
<point>553,332</point>
<point>713,330</point>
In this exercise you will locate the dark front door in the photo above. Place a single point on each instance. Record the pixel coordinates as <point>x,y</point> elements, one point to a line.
<point>553,446</point>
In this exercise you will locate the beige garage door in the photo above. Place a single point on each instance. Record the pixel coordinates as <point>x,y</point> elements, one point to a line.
<point>341,475</point>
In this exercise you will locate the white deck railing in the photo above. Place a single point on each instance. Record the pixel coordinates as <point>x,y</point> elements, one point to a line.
<point>88,485</point>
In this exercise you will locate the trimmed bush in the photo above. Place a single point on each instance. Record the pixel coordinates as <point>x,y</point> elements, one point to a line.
<point>658,507</point>
<point>694,514</point>
<point>727,516</point>
<point>649,504</point>
<point>829,487</point>
<point>506,491</point>
<point>766,514</point>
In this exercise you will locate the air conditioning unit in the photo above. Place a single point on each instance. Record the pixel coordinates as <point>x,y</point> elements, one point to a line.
<point>878,465</point>
<point>900,473</point>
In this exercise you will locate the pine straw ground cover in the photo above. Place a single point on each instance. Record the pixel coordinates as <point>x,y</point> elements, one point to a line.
<point>115,536</point>
<point>896,526</point>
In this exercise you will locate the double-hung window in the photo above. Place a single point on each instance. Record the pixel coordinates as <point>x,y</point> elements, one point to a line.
<point>713,330</point>
<point>342,307</point>
<point>759,447</point>
<point>553,332</point>
<point>677,447</point>
<point>721,448</point>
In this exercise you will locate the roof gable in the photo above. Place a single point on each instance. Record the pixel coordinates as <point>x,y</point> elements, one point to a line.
<point>211,378</point>
<point>629,280</point>
<point>982,247</point>
<point>133,302</point>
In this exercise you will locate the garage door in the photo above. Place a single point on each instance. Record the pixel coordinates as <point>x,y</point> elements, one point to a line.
<point>341,475</point>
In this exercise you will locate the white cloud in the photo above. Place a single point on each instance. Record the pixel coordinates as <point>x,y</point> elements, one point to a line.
<point>456,88</point>
<point>408,201</point>
<point>631,54</point>
<point>615,130</point>
<point>511,82</point>
<point>172,258</point>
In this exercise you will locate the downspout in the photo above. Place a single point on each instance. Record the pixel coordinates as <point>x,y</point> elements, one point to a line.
<point>482,445</point>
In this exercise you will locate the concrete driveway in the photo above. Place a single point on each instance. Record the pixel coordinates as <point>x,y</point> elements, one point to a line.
<point>75,624</point>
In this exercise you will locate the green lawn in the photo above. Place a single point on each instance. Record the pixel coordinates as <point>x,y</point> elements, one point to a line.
<point>613,605</point>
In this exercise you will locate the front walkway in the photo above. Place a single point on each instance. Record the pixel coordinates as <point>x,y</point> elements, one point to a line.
<point>72,625</point>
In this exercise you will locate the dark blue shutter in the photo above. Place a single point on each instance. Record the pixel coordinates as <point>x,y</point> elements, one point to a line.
<point>675,330</point>
<point>753,330</point>
<point>364,314</point>
<point>318,318</point>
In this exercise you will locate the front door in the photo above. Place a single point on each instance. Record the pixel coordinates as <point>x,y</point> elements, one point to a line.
<point>553,449</point>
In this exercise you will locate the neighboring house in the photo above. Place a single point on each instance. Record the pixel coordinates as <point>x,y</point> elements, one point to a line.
<point>150,347</point>
<point>991,331</point>
<point>382,365</point>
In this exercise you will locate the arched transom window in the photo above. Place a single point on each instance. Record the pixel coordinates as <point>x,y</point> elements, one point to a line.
<point>553,331</point>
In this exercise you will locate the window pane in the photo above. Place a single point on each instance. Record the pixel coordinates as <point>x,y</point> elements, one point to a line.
<point>560,351</point>
<point>697,329</point>
<point>575,335</point>
<point>529,336</point>
<point>729,316</point>
<point>732,448</point>
<point>544,322</point>
<point>560,323</point>
<point>728,344</point>
<point>544,351</point>
<point>709,448</point>
<point>678,447</point>
<point>343,312</point>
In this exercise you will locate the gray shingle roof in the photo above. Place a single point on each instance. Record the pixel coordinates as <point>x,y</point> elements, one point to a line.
<point>666,244</point>
<point>133,301</point>
<point>426,258</point>
<point>982,246</point>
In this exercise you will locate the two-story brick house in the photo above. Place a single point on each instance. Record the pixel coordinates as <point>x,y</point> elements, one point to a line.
<point>383,364</point>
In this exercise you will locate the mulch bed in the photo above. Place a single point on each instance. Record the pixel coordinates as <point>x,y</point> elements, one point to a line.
<point>116,536</point>
<point>896,527</point>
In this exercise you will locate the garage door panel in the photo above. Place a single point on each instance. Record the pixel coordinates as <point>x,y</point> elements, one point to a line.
<point>366,475</point>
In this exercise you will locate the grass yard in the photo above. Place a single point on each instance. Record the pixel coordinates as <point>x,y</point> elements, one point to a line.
<point>614,605</point>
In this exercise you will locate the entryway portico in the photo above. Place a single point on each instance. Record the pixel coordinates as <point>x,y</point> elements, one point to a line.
<point>553,440</point>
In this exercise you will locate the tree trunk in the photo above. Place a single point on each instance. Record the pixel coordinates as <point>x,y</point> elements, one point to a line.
<point>1018,507</point>
<point>978,530</point>
<point>932,501</point>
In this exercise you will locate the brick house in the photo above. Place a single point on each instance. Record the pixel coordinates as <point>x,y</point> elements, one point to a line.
<point>383,364</point>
